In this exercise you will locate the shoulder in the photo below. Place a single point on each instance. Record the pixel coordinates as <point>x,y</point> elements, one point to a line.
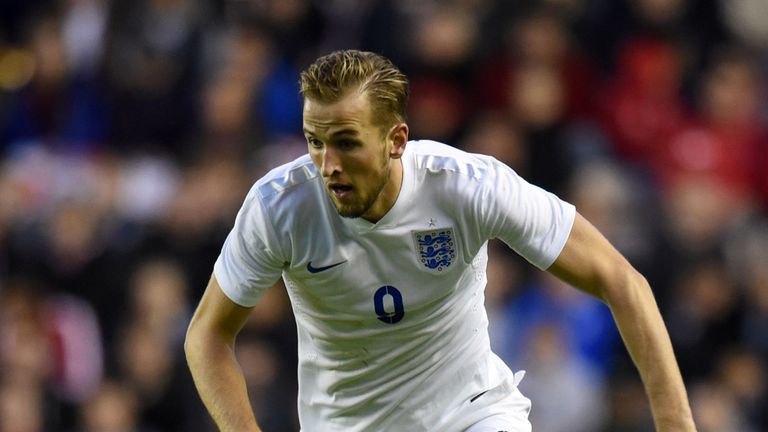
<point>284,191</point>
<point>440,159</point>
<point>285,178</point>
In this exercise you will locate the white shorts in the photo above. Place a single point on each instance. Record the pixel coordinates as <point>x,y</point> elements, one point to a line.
<point>515,417</point>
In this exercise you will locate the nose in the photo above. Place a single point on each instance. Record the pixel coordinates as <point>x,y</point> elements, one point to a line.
<point>330,162</point>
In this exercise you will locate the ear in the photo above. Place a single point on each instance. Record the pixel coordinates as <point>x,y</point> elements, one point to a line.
<point>398,136</point>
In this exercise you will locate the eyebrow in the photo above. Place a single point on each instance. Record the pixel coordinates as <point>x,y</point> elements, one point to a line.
<point>351,132</point>
<point>345,132</point>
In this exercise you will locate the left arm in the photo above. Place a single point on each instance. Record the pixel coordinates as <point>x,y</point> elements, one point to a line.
<point>589,262</point>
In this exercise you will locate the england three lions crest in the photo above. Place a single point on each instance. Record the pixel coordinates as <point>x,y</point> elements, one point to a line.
<point>436,248</point>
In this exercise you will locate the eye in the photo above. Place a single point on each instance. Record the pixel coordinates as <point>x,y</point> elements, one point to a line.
<point>346,144</point>
<point>314,142</point>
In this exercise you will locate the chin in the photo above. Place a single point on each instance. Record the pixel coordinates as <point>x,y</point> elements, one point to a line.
<point>351,210</point>
<point>354,209</point>
<point>350,215</point>
<point>348,211</point>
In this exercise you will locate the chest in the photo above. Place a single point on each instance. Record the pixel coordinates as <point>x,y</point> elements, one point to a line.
<point>380,274</point>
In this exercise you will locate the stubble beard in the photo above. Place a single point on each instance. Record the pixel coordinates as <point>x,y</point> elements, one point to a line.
<point>354,210</point>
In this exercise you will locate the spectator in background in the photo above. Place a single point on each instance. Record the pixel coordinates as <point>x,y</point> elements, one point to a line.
<point>297,24</point>
<point>151,73</point>
<point>704,315</point>
<point>539,37</point>
<point>84,25</point>
<point>61,107</point>
<point>586,324</point>
<point>708,168</point>
<point>544,84</point>
<point>742,373</point>
<point>505,279</point>
<point>570,393</point>
<point>150,367</point>
<point>74,257</point>
<point>113,408</point>
<point>444,41</point>
<point>628,409</point>
<point>22,406</point>
<point>271,400</point>
<point>717,410</point>
<point>643,105</point>
<point>492,133</point>
<point>27,362</point>
<point>240,61</point>
<point>159,300</point>
<point>753,275</point>
<point>746,258</point>
<point>744,19</point>
<point>614,198</point>
<point>721,144</point>
<point>194,218</point>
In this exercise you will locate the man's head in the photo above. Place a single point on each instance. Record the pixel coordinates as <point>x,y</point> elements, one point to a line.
<point>354,113</point>
<point>333,76</point>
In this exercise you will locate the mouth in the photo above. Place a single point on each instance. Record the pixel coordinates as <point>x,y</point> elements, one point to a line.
<point>340,191</point>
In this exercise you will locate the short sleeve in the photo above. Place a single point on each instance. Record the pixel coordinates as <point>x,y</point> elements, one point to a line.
<point>250,261</point>
<point>535,223</point>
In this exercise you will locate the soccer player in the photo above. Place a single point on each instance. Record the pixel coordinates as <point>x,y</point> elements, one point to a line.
<point>382,245</point>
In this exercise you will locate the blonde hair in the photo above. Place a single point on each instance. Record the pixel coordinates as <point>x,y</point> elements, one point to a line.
<point>331,76</point>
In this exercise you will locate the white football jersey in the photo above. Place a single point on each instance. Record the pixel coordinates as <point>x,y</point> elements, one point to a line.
<point>392,328</point>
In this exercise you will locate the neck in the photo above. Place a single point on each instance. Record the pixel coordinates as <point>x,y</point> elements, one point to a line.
<point>388,195</point>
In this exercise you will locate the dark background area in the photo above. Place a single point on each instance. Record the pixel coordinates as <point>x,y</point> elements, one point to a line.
<point>130,132</point>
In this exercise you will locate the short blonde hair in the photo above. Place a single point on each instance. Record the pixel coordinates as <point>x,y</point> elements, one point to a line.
<point>331,76</point>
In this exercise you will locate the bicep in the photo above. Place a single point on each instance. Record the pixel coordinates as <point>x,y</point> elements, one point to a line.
<point>589,262</point>
<point>218,313</point>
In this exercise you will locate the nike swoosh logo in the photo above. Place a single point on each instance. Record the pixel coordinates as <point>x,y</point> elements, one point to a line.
<point>478,396</point>
<point>322,269</point>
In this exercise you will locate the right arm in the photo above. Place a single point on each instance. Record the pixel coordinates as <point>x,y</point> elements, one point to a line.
<point>209,348</point>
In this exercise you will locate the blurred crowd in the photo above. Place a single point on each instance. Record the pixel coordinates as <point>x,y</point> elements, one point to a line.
<point>130,132</point>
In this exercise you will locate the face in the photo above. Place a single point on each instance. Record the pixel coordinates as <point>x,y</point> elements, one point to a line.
<point>358,161</point>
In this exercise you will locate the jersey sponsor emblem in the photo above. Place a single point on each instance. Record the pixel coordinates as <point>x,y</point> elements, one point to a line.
<point>436,249</point>
<point>323,268</point>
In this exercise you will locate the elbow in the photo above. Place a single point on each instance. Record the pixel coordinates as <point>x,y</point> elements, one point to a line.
<point>627,286</point>
<point>189,340</point>
<point>193,338</point>
<point>203,337</point>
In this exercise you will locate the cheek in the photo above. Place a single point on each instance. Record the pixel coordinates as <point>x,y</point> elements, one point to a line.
<point>358,164</point>
<point>316,158</point>
<point>370,169</point>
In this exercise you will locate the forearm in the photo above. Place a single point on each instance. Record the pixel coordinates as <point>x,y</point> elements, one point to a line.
<point>589,262</point>
<point>646,338</point>
<point>220,382</point>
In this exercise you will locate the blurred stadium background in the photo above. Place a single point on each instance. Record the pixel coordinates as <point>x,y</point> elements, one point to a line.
<point>130,132</point>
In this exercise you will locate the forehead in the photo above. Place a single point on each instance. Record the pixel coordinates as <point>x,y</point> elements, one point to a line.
<point>353,110</point>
